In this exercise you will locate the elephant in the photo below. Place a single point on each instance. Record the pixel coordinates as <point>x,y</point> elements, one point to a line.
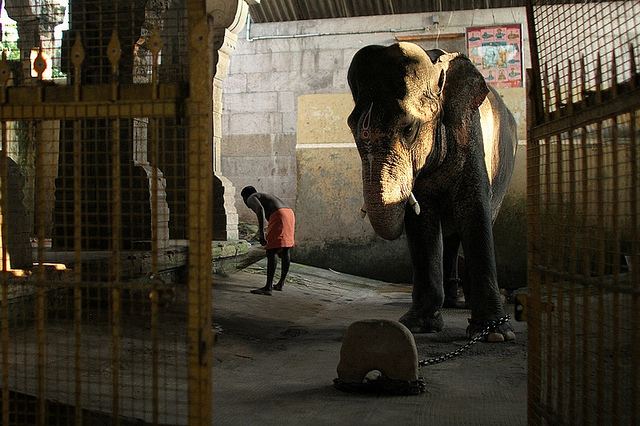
<point>438,147</point>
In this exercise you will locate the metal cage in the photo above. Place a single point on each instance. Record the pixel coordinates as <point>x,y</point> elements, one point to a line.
<point>583,213</point>
<point>106,168</point>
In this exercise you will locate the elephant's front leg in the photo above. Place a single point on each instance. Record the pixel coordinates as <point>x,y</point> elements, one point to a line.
<point>424,235</point>
<point>482,291</point>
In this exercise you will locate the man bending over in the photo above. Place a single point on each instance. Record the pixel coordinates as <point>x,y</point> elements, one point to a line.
<point>280,233</point>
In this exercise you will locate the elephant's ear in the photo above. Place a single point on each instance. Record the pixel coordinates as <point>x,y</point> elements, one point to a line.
<point>438,79</point>
<point>465,88</point>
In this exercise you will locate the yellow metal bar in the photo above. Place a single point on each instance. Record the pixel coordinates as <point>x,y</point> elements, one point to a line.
<point>200,166</point>
<point>94,94</point>
<point>635,257</point>
<point>155,382</point>
<point>572,243</point>
<point>617,312</point>
<point>5,284</point>
<point>77,267</point>
<point>586,310</point>
<point>534,320</point>
<point>77,57</point>
<point>600,235</point>
<point>549,219</point>
<point>87,110</point>
<point>152,144</point>
<point>41,276</point>
<point>561,229</point>
<point>116,226</point>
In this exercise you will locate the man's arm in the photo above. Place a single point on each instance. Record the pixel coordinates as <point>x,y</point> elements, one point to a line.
<point>253,202</point>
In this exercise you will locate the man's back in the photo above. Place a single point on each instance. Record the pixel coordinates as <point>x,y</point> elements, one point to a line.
<point>270,203</point>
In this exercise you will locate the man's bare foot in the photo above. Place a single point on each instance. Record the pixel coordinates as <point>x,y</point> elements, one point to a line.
<point>262,291</point>
<point>278,287</point>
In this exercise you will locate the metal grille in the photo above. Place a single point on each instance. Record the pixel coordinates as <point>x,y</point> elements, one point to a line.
<point>583,307</point>
<point>105,279</point>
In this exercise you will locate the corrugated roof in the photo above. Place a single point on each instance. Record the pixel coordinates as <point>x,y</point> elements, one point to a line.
<point>297,10</point>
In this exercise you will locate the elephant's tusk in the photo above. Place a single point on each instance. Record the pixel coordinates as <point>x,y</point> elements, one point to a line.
<point>414,204</point>
<point>363,212</point>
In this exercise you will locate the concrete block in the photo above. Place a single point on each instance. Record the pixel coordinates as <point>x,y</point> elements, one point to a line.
<point>309,61</point>
<point>311,81</point>
<point>252,124</point>
<point>378,344</point>
<point>330,59</point>
<point>236,82</point>
<point>291,61</point>
<point>287,101</point>
<point>269,82</point>
<point>322,118</point>
<point>251,102</point>
<point>284,144</point>
<point>285,165</point>
<point>260,167</point>
<point>509,16</point>
<point>244,146</point>
<point>340,83</point>
<point>260,62</point>
<point>289,122</point>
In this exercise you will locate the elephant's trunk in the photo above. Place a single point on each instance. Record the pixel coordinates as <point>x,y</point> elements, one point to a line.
<point>387,185</point>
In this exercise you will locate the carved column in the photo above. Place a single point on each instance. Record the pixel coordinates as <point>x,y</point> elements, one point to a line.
<point>36,21</point>
<point>227,17</point>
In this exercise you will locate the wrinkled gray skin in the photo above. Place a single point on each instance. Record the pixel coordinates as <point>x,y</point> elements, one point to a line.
<point>427,123</point>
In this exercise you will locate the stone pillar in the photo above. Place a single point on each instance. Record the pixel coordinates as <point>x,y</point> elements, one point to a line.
<point>132,20</point>
<point>16,241</point>
<point>227,17</point>
<point>36,21</point>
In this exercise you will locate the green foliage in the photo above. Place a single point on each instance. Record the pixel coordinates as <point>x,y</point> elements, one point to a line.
<point>11,47</point>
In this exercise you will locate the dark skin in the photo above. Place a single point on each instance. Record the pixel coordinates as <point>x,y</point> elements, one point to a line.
<point>263,206</point>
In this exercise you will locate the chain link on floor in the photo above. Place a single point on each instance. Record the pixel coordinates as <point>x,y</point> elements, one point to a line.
<point>489,325</point>
<point>383,384</point>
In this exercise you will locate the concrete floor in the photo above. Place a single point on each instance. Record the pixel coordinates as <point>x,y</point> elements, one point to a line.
<point>274,361</point>
<point>276,357</point>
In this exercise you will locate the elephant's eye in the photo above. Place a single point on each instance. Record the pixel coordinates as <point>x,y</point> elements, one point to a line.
<point>409,132</point>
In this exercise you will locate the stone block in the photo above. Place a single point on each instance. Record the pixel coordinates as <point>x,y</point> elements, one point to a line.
<point>250,124</point>
<point>322,118</point>
<point>289,122</point>
<point>378,344</point>
<point>236,82</point>
<point>287,102</point>
<point>251,102</point>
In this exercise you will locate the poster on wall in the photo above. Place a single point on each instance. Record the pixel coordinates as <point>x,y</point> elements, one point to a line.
<point>497,53</point>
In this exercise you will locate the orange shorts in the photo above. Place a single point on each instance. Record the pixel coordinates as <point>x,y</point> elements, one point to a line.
<point>281,229</point>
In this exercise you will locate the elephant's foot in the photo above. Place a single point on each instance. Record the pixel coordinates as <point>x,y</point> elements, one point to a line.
<point>417,323</point>
<point>501,333</point>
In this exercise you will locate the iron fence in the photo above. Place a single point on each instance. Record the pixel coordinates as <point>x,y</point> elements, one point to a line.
<point>583,213</point>
<point>105,279</point>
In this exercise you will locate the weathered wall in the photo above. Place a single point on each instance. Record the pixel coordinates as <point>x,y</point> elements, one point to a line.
<point>285,105</point>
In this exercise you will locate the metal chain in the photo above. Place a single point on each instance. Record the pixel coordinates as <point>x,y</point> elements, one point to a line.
<point>489,325</point>
<point>413,387</point>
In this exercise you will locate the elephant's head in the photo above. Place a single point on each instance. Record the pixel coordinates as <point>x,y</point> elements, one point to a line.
<point>397,123</point>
